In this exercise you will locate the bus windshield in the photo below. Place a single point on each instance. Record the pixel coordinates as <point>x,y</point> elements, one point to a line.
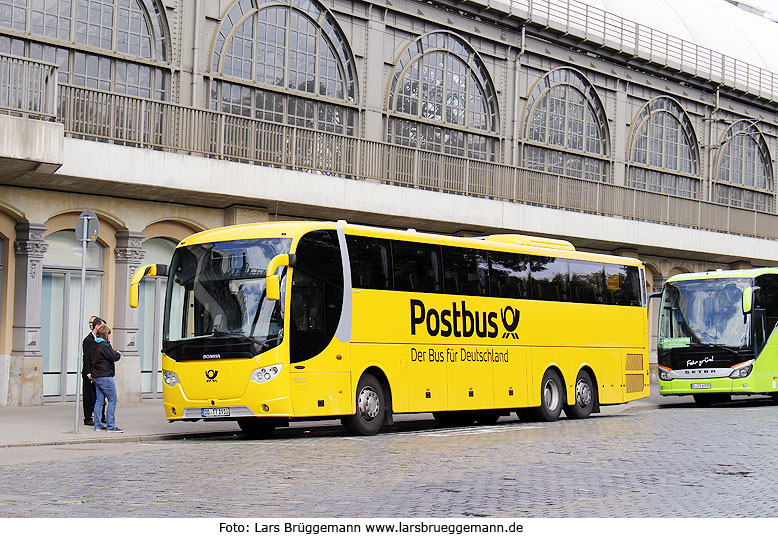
<point>707,312</point>
<point>218,290</point>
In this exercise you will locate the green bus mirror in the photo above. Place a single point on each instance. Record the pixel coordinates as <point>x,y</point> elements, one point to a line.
<point>748,300</point>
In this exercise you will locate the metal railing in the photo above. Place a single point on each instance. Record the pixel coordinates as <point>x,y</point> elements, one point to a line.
<point>28,88</point>
<point>575,18</point>
<point>167,126</point>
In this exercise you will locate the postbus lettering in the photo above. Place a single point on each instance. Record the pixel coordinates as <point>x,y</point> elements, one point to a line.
<point>457,322</point>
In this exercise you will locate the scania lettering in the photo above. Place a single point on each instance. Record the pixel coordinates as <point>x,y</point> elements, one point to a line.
<point>271,323</point>
<point>717,335</point>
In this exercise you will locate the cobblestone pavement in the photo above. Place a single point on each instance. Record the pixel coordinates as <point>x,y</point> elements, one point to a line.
<point>676,461</point>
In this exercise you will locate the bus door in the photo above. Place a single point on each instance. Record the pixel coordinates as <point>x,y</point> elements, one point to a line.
<point>319,362</point>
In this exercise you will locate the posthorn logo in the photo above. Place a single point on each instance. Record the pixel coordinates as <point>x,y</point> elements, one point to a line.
<point>510,320</point>
<point>210,375</point>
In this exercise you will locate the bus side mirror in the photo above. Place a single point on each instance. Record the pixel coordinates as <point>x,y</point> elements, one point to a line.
<point>272,280</point>
<point>138,275</point>
<point>748,300</point>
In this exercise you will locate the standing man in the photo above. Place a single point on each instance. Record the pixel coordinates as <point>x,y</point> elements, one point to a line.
<point>86,371</point>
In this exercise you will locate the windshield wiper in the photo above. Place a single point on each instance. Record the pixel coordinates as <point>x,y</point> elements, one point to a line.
<point>239,334</point>
<point>725,348</point>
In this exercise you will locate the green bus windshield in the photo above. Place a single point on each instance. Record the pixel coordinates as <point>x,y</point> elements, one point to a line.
<point>707,312</point>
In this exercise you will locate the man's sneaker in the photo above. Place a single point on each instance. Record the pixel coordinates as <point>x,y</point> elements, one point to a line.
<point>98,428</point>
<point>115,429</point>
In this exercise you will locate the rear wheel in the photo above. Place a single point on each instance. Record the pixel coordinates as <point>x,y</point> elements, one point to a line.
<point>551,398</point>
<point>371,408</point>
<point>257,428</point>
<point>584,397</point>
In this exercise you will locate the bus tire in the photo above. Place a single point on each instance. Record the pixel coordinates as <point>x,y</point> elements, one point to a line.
<point>584,397</point>
<point>256,428</point>
<point>551,398</point>
<point>370,408</point>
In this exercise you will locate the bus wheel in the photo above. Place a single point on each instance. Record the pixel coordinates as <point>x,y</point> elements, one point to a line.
<point>256,428</point>
<point>551,398</point>
<point>371,408</point>
<point>584,397</point>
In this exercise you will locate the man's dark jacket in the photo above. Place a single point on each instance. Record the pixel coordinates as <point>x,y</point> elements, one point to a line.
<point>103,359</point>
<point>86,346</point>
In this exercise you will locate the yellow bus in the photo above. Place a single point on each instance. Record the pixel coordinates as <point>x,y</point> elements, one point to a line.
<point>272,322</point>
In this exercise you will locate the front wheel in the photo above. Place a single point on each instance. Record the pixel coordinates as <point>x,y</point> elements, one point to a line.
<point>371,408</point>
<point>551,398</point>
<point>584,397</point>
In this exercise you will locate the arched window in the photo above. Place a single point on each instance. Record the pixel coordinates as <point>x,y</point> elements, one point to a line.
<point>664,156</point>
<point>124,27</point>
<point>285,62</point>
<point>565,112</point>
<point>442,99</point>
<point>61,332</point>
<point>745,173</point>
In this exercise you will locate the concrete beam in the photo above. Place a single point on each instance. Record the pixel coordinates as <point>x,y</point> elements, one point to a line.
<point>29,145</point>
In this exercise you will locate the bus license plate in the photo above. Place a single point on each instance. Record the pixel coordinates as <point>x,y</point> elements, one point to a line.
<point>215,412</point>
<point>700,385</point>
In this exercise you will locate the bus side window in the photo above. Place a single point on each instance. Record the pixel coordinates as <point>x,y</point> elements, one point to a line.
<point>550,278</point>
<point>509,275</point>
<point>622,285</point>
<point>416,267</point>
<point>767,298</point>
<point>586,282</point>
<point>464,271</point>
<point>370,260</point>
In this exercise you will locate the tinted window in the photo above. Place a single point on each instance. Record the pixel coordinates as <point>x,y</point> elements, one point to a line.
<point>549,278</point>
<point>509,275</point>
<point>317,294</point>
<point>370,261</point>
<point>416,267</point>
<point>586,282</point>
<point>464,271</point>
<point>622,285</point>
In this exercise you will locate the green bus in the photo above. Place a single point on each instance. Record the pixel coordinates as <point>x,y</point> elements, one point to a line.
<point>716,335</point>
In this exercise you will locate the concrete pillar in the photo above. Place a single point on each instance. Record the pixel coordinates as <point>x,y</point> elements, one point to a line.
<point>25,378</point>
<point>128,256</point>
<point>235,215</point>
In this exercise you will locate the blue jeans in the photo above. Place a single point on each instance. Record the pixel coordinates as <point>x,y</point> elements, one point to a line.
<point>105,388</point>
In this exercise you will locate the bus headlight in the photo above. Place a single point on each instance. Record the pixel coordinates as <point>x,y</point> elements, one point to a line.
<point>664,373</point>
<point>266,373</point>
<point>742,371</point>
<point>170,378</point>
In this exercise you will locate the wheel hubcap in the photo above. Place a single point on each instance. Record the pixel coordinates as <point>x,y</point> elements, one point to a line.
<point>368,404</point>
<point>551,395</point>
<point>583,393</point>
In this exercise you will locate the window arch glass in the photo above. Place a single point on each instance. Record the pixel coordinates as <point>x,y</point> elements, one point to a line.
<point>61,332</point>
<point>664,156</point>
<point>59,28</point>
<point>442,99</point>
<point>745,173</point>
<point>566,127</point>
<point>285,62</point>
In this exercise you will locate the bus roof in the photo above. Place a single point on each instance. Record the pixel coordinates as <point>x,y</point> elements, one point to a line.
<point>719,274</point>
<point>504,242</point>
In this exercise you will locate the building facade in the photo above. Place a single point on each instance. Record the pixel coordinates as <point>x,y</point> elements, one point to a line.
<point>167,117</point>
